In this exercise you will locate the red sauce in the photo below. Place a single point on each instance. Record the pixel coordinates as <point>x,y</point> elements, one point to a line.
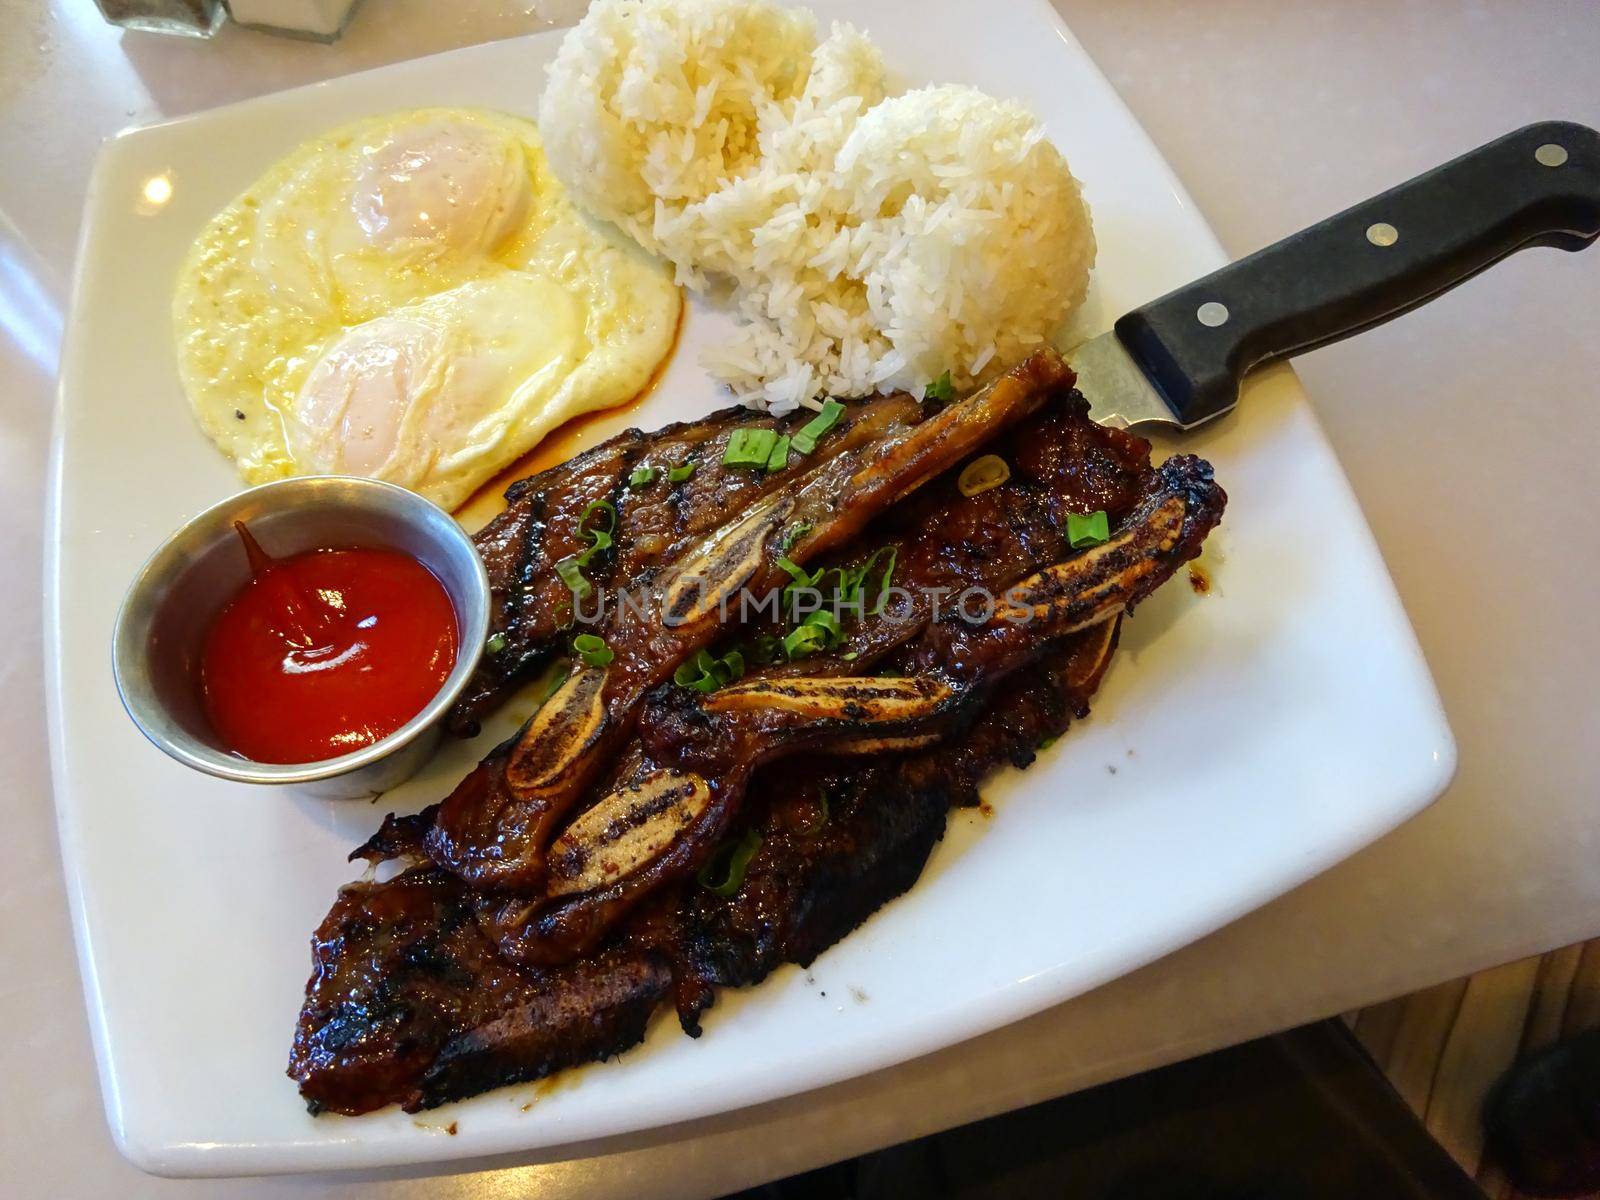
<point>325,652</point>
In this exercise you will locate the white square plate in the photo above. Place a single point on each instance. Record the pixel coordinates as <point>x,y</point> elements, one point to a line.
<point>1244,740</point>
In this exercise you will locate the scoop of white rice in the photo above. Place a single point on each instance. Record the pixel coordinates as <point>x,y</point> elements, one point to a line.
<point>865,240</point>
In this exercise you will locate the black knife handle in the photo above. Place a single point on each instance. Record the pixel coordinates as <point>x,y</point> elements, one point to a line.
<point>1539,186</point>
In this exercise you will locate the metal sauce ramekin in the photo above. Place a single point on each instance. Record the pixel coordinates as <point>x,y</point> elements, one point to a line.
<point>172,603</point>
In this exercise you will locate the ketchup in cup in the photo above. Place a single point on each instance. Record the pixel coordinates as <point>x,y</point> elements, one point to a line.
<point>325,652</point>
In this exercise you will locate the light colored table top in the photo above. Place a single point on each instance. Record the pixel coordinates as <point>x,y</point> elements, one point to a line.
<point>1468,429</point>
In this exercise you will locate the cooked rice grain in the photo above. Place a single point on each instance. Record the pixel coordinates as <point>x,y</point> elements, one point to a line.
<point>866,240</point>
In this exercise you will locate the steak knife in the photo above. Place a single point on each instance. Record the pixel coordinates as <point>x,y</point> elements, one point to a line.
<point>1179,360</point>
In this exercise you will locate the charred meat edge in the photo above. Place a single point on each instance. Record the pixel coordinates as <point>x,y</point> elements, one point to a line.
<point>409,1003</point>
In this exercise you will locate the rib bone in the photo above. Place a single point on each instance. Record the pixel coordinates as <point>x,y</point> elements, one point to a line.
<point>862,700</point>
<point>631,827</point>
<point>698,586</point>
<point>567,724</point>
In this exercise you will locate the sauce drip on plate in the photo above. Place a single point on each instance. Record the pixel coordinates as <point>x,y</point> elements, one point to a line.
<point>325,652</point>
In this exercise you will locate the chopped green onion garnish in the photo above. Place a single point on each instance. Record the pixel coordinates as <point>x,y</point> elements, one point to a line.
<point>794,533</point>
<point>571,572</point>
<point>799,580</point>
<point>1049,741</point>
<point>570,569</point>
<point>804,641</point>
<point>941,389</point>
<point>827,621</point>
<point>1088,530</point>
<point>680,472</point>
<point>595,506</point>
<point>696,673</point>
<point>779,458</point>
<point>724,871</point>
<point>749,448</point>
<point>983,474</point>
<point>798,573</point>
<point>642,477</point>
<point>887,580</point>
<point>819,631</point>
<point>703,673</point>
<point>495,644</point>
<point>599,539</point>
<point>865,570</point>
<point>851,590</point>
<point>592,649</point>
<point>806,440</point>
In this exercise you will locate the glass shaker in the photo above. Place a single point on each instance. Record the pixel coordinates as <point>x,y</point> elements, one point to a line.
<point>194,18</point>
<point>315,20</point>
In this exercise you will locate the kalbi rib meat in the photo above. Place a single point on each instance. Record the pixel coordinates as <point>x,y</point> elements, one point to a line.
<point>944,542</point>
<point>409,1004</point>
<point>806,888</point>
<point>406,994</point>
<point>532,608</point>
<point>494,829</point>
<point>700,751</point>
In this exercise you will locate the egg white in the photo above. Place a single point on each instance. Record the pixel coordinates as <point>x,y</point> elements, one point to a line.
<point>412,297</point>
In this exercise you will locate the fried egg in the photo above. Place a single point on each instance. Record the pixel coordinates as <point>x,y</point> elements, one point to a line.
<point>414,298</point>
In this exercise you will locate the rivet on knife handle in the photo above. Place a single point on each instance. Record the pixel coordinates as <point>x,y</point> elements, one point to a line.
<point>1539,186</point>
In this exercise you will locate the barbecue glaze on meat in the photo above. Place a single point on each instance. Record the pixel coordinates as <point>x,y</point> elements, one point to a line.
<point>496,835</point>
<point>531,606</point>
<point>699,752</point>
<point>427,990</point>
<point>410,1004</point>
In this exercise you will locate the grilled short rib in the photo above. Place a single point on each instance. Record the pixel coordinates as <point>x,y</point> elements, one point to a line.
<point>532,608</point>
<point>409,1001</point>
<point>660,820</point>
<point>1062,463</point>
<point>497,837</point>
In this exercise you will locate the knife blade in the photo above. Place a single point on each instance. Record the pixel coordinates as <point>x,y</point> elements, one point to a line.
<point>1179,360</point>
<point>1119,392</point>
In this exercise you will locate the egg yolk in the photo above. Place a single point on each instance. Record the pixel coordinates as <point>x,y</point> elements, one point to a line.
<point>396,397</point>
<point>362,390</point>
<point>445,189</point>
